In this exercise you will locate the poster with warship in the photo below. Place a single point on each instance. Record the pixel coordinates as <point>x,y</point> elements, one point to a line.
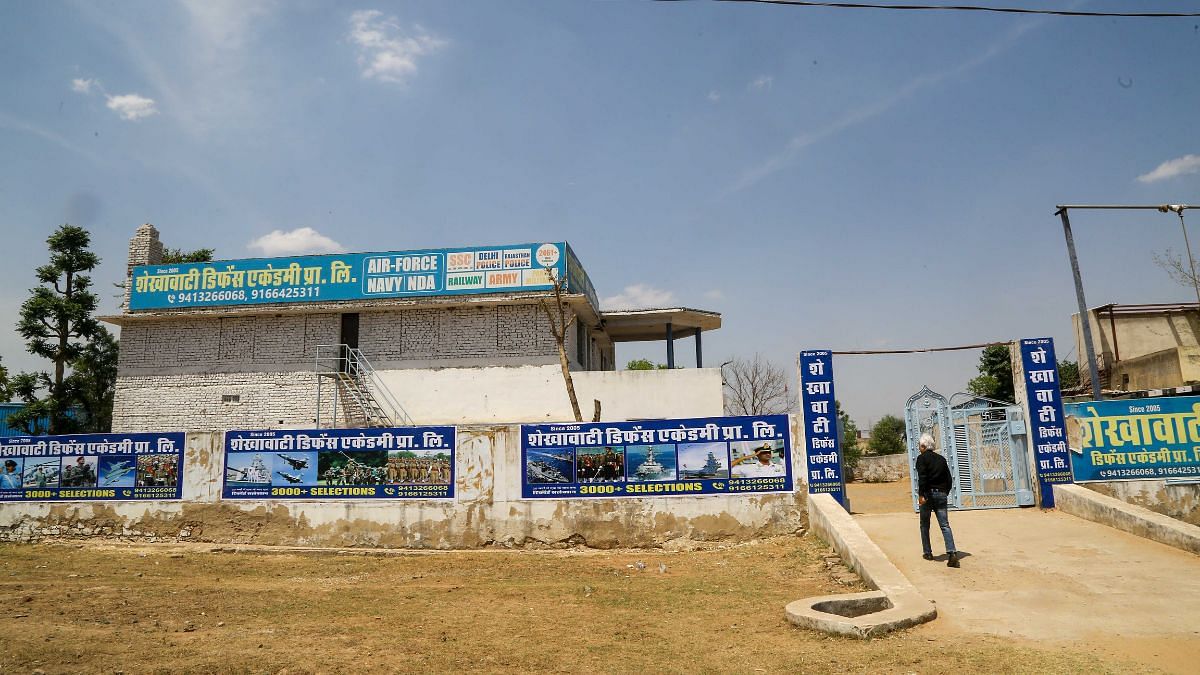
<point>377,463</point>
<point>655,458</point>
<point>89,467</point>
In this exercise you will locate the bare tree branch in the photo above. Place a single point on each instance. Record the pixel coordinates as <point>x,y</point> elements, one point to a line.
<point>756,387</point>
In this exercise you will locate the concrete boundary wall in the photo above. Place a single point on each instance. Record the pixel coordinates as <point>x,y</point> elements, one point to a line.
<point>894,604</point>
<point>487,511</point>
<point>1091,505</point>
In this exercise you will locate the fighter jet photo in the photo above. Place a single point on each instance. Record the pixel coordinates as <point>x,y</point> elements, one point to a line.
<point>291,478</point>
<point>116,472</point>
<point>298,463</point>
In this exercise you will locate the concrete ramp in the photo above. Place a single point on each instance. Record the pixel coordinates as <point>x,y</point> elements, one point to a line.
<point>1047,575</point>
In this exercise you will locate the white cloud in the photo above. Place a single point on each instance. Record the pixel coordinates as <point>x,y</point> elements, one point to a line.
<point>1180,166</point>
<point>714,96</point>
<point>297,242</point>
<point>83,86</point>
<point>386,52</point>
<point>639,296</point>
<point>714,295</point>
<point>132,107</point>
<point>762,82</point>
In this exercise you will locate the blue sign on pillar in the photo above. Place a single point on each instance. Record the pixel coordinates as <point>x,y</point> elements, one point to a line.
<point>822,443</point>
<point>1047,433</point>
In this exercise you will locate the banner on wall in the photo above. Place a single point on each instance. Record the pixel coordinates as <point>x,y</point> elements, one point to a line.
<point>821,432</point>
<point>1136,439</point>
<point>386,463</point>
<point>358,276</point>
<point>91,467</point>
<point>1047,431</point>
<point>699,456</point>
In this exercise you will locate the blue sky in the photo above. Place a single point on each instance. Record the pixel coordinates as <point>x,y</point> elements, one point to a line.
<point>824,178</point>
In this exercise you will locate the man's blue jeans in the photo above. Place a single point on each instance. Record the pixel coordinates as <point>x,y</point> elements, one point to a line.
<point>936,503</point>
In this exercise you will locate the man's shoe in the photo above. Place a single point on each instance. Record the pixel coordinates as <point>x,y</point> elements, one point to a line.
<point>928,556</point>
<point>953,561</point>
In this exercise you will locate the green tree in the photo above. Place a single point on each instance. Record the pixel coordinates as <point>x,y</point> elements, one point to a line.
<point>93,382</point>
<point>1068,374</point>
<point>5,392</point>
<point>56,321</point>
<point>32,418</point>
<point>178,255</point>
<point>995,379</point>
<point>851,450</point>
<point>644,364</point>
<point>887,436</point>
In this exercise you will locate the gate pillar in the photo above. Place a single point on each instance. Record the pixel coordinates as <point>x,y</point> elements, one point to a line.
<point>1035,383</point>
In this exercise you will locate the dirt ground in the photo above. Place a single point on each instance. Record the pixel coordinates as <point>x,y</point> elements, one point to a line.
<point>67,608</point>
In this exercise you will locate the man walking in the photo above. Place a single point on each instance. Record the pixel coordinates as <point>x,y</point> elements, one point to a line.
<point>933,489</point>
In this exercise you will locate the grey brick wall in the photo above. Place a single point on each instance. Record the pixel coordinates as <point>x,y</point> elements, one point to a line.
<point>194,402</point>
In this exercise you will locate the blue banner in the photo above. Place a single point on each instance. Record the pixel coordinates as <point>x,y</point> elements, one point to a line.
<point>824,445</point>
<point>1047,433</point>
<point>358,276</point>
<point>91,467</point>
<point>700,456</point>
<point>388,463</point>
<point>1136,439</point>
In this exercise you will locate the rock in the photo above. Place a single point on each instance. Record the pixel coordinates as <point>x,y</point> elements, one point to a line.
<point>220,624</point>
<point>640,565</point>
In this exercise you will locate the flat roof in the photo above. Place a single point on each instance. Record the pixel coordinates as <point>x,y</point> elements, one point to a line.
<point>577,301</point>
<point>642,325</point>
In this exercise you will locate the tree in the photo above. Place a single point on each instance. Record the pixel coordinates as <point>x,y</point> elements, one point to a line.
<point>756,387</point>
<point>644,364</point>
<point>93,382</point>
<point>851,452</point>
<point>995,379</point>
<point>1068,375</point>
<point>560,323</point>
<point>57,320</point>
<point>32,418</point>
<point>887,436</point>
<point>5,392</point>
<point>178,255</point>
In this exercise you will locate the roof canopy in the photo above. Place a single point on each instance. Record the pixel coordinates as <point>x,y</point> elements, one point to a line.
<point>641,325</point>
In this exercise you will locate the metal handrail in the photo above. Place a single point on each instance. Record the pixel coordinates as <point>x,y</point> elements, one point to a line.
<point>378,388</point>
<point>353,368</point>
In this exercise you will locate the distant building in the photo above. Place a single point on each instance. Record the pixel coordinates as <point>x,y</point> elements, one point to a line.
<point>1142,347</point>
<point>441,336</point>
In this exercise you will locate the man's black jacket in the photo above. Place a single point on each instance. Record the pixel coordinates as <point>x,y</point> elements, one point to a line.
<point>933,474</point>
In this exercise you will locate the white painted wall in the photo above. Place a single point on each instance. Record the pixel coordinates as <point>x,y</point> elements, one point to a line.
<point>536,394</point>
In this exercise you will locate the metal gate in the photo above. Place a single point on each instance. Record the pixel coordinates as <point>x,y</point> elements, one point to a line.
<point>983,442</point>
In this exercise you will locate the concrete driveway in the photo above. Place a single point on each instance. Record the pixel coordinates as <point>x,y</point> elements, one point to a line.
<point>1047,576</point>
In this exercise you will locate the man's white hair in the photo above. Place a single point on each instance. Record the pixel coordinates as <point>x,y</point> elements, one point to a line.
<point>927,442</point>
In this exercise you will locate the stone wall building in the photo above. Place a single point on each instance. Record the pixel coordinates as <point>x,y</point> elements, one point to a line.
<point>465,358</point>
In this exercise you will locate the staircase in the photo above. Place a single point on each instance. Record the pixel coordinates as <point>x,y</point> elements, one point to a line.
<point>364,399</point>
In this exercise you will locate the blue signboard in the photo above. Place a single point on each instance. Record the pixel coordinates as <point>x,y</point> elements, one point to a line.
<point>820,425</point>
<point>1138,439</point>
<point>1047,433</point>
<point>389,463</point>
<point>91,466</point>
<point>701,456</point>
<point>358,276</point>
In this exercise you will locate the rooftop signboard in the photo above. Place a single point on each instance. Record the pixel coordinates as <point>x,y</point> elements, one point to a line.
<point>358,276</point>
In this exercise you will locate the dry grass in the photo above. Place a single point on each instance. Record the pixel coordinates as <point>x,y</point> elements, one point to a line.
<point>70,609</point>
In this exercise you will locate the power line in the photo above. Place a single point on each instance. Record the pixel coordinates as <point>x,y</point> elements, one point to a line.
<point>966,8</point>
<point>920,350</point>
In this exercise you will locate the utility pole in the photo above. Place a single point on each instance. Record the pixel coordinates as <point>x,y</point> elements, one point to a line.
<point>1084,319</point>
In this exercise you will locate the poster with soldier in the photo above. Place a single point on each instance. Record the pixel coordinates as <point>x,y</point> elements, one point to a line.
<point>91,467</point>
<point>387,463</point>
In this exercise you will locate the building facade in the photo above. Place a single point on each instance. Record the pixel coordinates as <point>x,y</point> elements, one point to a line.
<point>466,357</point>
